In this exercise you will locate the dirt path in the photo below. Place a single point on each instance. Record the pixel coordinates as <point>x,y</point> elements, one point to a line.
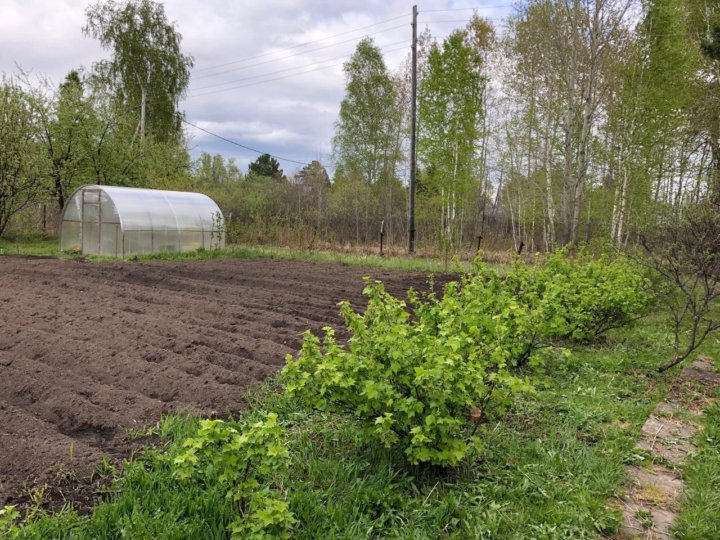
<point>90,350</point>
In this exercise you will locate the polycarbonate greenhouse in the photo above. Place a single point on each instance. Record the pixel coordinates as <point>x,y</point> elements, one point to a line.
<point>121,221</point>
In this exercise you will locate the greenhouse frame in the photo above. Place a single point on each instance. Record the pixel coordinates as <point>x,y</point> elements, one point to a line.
<point>122,221</point>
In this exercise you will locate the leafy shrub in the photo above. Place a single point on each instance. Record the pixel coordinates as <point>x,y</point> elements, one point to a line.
<point>244,462</point>
<point>8,516</point>
<point>583,298</point>
<point>418,379</point>
<point>419,376</point>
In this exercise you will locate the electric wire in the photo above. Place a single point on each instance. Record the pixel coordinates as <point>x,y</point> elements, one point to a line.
<point>270,53</point>
<point>498,6</point>
<point>280,78</point>
<point>213,88</point>
<point>192,94</point>
<point>301,44</point>
<point>297,54</point>
<point>241,145</point>
<point>457,20</point>
<point>280,158</point>
<point>344,56</point>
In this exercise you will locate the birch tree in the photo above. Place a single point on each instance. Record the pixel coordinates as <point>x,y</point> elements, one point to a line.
<point>565,52</point>
<point>147,71</point>
<point>704,25</point>
<point>451,125</point>
<point>365,141</point>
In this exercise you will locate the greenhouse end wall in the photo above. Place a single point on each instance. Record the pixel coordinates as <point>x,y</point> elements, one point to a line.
<point>119,221</point>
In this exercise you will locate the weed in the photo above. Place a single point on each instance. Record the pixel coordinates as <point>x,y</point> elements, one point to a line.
<point>104,469</point>
<point>645,518</point>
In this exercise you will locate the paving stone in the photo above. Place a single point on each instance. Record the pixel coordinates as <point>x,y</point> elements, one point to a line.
<point>703,370</point>
<point>656,485</point>
<point>668,438</point>
<point>666,408</point>
<point>650,501</point>
<point>655,527</point>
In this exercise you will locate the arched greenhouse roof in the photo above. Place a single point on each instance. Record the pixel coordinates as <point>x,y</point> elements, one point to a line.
<point>119,221</point>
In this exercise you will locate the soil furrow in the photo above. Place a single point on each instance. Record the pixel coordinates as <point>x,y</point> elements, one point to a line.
<point>91,350</point>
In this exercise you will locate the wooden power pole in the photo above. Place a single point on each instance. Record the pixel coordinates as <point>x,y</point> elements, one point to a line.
<point>413,128</point>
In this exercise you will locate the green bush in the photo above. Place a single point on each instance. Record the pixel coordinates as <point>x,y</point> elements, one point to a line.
<point>420,379</point>
<point>420,376</point>
<point>583,298</point>
<point>244,462</point>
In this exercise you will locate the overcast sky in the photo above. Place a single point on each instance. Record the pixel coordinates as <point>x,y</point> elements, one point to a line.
<point>257,80</point>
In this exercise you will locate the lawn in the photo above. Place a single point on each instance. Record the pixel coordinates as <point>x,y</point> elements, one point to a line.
<point>39,247</point>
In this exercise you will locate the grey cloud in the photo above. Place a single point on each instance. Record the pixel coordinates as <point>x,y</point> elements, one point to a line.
<point>290,117</point>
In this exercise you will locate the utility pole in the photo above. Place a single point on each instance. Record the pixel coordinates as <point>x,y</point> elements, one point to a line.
<point>413,128</point>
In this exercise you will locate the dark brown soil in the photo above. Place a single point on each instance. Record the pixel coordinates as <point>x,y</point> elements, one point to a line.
<point>89,351</point>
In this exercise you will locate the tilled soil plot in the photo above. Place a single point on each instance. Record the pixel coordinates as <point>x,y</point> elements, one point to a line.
<point>89,350</point>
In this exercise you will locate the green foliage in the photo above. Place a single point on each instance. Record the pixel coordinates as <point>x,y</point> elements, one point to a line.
<point>451,105</point>
<point>244,462</point>
<point>366,131</point>
<point>88,137</point>
<point>8,516</point>
<point>22,167</point>
<point>583,298</point>
<point>549,470</point>
<point>147,72</point>
<point>417,378</point>
<point>64,120</point>
<point>265,166</point>
<point>711,47</point>
<point>213,171</point>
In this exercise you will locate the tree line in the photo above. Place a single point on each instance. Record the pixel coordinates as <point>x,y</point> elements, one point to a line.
<point>581,121</point>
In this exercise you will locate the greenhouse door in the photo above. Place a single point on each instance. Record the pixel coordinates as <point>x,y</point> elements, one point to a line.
<point>91,222</point>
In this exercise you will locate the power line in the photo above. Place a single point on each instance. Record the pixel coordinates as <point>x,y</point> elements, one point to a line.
<point>278,78</point>
<point>286,69</point>
<point>249,58</point>
<point>296,54</point>
<point>299,67</point>
<point>309,51</point>
<point>209,68</point>
<point>459,20</point>
<point>301,44</point>
<point>241,145</point>
<point>467,9</point>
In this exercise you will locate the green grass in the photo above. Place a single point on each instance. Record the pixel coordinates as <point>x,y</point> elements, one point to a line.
<point>50,247</point>
<point>550,470</point>
<point>45,247</point>
<point>408,264</point>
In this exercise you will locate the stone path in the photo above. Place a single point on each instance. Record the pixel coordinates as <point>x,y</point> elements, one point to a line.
<point>651,500</point>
